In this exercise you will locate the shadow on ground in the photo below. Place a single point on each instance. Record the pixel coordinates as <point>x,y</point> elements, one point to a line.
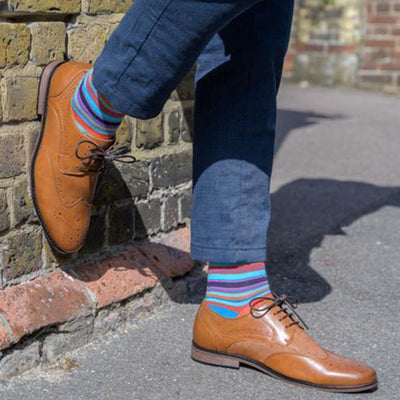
<point>304,212</point>
<point>289,120</point>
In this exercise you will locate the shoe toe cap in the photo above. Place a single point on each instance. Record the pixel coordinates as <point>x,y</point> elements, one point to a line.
<point>332,371</point>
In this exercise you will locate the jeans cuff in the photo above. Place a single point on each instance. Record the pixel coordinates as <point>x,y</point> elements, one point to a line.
<point>121,103</point>
<point>228,255</point>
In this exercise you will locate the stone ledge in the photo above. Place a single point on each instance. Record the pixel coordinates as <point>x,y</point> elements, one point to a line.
<point>117,278</point>
<point>63,296</point>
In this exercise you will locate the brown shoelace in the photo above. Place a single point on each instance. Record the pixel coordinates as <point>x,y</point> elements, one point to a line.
<point>96,160</point>
<point>286,304</point>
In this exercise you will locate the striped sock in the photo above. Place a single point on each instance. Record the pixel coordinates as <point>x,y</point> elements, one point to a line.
<point>93,114</point>
<point>230,287</point>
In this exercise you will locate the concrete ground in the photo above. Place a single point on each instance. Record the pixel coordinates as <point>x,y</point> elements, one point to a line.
<point>334,243</point>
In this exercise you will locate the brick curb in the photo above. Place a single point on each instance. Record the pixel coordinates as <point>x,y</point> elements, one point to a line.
<point>63,296</point>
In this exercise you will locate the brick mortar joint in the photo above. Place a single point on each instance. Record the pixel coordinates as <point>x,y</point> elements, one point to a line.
<point>93,301</point>
<point>4,323</point>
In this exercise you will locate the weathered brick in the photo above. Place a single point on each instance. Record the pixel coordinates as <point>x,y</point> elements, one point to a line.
<point>51,299</point>
<point>49,257</point>
<point>379,43</point>
<point>31,132</point>
<point>108,320</point>
<point>170,213</point>
<point>186,88</point>
<point>119,277</point>
<point>121,223</point>
<point>188,123</point>
<point>99,6</point>
<point>20,97</point>
<point>88,36</point>
<point>48,42</point>
<point>96,238</point>
<point>22,204</point>
<point>20,253</point>
<point>171,256</point>
<point>382,19</point>
<point>39,6</point>
<point>150,133</point>
<point>136,178</point>
<point>185,205</point>
<point>14,44</point>
<point>125,132</point>
<point>172,125</point>
<point>12,155</point>
<point>5,339</point>
<point>125,182</point>
<point>4,212</point>
<point>171,169</point>
<point>148,217</point>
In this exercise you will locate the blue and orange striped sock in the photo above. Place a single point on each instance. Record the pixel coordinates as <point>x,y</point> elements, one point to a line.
<point>93,114</point>
<point>230,287</point>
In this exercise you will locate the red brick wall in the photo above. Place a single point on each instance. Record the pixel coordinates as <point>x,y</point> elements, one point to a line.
<point>380,51</point>
<point>353,43</point>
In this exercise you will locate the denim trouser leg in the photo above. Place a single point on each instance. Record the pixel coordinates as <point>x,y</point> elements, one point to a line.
<point>236,85</point>
<point>237,80</point>
<point>154,47</point>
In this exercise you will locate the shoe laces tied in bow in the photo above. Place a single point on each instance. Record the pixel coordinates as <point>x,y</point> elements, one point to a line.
<point>287,305</point>
<point>95,157</point>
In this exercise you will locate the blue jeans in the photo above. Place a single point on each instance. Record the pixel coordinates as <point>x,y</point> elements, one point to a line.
<point>239,46</point>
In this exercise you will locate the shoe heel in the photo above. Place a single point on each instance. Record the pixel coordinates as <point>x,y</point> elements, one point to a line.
<point>207,357</point>
<point>44,84</point>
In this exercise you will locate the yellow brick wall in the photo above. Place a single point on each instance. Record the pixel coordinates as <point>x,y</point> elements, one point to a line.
<point>134,201</point>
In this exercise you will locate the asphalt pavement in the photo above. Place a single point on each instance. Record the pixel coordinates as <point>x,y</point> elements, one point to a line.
<point>334,243</point>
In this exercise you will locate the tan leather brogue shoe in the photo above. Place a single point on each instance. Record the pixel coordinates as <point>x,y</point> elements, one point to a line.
<point>272,338</point>
<point>65,164</point>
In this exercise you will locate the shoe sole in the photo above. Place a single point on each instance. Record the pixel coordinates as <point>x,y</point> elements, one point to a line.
<point>42,101</point>
<point>209,357</point>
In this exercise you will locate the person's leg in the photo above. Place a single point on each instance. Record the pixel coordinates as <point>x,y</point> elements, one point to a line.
<point>240,320</point>
<point>237,80</point>
<point>146,57</point>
